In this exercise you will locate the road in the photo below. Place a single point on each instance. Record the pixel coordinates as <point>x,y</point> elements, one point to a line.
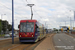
<point>63,41</point>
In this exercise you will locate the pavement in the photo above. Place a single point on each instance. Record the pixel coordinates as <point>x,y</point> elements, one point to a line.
<point>63,41</point>
<point>47,44</point>
<point>2,38</point>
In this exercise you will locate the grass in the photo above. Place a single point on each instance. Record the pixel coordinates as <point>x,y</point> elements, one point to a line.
<point>2,35</point>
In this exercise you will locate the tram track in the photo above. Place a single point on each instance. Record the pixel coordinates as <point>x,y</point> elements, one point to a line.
<point>32,47</point>
<point>26,47</point>
<point>20,47</point>
<point>7,45</point>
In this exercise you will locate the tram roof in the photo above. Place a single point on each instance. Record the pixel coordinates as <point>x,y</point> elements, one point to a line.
<point>28,21</point>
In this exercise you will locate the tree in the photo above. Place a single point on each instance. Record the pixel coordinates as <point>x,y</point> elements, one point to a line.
<point>55,29</point>
<point>0,26</point>
<point>5,26</point>
<point>10,27</point>
<point>59,29</point>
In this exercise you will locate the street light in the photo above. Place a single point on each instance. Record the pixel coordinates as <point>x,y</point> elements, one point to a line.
<point>1,23</point>
<point>64,22</point>
<point>2,15</point>
<point>31,9</point>
<point>71,20</point>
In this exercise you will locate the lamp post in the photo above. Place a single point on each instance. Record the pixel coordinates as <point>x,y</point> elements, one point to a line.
<point>70,23</point>
<point>1,23</point>
<point>45,23</point>
<point>65,23</point>
<point>31,9</point>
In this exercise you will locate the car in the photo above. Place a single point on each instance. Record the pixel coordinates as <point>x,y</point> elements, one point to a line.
<point>6,35</point>
<point>11,35</point>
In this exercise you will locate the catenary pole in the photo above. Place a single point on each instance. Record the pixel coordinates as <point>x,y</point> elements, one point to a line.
<point>12,21</point>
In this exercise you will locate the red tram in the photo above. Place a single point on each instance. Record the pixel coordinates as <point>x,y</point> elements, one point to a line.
<point>31,31</point>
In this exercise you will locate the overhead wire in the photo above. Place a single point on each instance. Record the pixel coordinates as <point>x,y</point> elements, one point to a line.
<point>34,10</point>
<point>9,9</point>
<point>38,14</point>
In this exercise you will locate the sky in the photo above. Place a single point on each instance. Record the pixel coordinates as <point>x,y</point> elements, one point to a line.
<point>51,13</point>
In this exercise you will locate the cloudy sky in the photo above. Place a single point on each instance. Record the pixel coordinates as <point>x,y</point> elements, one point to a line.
<point>54,13</point>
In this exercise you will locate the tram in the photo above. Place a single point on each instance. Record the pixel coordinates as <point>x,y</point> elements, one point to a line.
<point>31,31</point>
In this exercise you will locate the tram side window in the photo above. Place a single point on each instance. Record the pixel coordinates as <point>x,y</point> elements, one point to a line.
<point>19,26</point>
<point>36,27</point>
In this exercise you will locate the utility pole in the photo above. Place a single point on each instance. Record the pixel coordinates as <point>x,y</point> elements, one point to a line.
<point>12,21</point>
<point>31,9</point>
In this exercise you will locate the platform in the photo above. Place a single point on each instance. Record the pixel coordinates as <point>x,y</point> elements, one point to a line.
<point>46,44</point>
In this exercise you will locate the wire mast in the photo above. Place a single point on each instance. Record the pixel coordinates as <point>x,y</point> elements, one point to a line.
<point>30,5</point>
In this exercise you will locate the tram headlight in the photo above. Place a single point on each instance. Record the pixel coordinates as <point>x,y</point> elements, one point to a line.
<point>20,35</point>
<point>32,35</point>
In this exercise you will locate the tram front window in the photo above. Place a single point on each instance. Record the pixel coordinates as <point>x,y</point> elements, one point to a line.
<point>27,27</point>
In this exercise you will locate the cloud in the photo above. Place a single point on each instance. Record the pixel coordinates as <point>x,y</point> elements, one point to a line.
<point>52,11</point>
<point>45,20</point>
